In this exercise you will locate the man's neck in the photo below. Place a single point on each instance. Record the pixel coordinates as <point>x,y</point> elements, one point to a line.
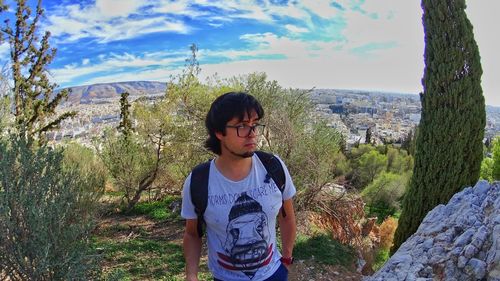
<point>233,167</point>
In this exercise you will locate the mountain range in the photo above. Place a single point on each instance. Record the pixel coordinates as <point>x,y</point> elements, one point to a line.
<point>83,94</point>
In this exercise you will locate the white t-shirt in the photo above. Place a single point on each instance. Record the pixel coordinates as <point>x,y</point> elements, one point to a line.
<point>241,222</point>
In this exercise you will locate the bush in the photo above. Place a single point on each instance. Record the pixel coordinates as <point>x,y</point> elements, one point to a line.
<point>45,214</point>
<point>324,249</point>
<point>386,231</point>
<point>383,195</point>
<point>157,210</point>
<point>487,169</point>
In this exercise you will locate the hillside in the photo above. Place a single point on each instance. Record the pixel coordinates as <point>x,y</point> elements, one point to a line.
<point>83,94</point>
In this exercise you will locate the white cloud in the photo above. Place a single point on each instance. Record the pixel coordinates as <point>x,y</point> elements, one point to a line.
<point>320,8</point>
<point>118,8</point>
<point>109,20</point>
<point>118,63</point>
<point>308,63</point>
<point>295,29</point>
<point>389,71</point>
<point>85,61</point>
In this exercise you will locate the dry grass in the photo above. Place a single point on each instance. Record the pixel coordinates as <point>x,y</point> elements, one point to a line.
<point>387,229</point>
<point>341,216</point>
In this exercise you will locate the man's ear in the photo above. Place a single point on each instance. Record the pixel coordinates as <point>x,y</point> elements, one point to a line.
<point>219,135</point>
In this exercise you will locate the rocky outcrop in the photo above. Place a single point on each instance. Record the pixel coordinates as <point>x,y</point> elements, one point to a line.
<point>457,241</point>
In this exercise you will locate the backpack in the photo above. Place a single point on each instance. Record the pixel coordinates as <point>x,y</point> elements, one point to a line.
<point>199,184</point>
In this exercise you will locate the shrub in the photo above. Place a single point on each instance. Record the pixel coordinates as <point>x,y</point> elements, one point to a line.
<point>386,231</point>
<point>382,196</point>
<point>44,227</point>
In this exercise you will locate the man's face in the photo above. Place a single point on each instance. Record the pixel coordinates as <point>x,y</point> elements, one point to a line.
<point>239,146</point>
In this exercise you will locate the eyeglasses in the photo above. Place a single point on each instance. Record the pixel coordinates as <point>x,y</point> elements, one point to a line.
<point>244,131</point>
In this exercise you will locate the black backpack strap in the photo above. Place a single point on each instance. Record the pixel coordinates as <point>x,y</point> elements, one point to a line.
<point>199,192</point>
<point>275,171</point>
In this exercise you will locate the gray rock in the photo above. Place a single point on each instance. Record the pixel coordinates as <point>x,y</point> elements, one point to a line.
<point>457,241</point>
<point>481,188</point>
<point>426,272</point>
<point>427,244</point>
<point>462,262</point>
<point>450,270</point>
<point>470,251</point>
<point>476,268</point>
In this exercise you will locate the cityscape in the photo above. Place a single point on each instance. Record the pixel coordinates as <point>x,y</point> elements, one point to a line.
<point>389,116</point>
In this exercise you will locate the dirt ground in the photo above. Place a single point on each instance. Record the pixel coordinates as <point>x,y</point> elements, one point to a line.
<point>123,228</point>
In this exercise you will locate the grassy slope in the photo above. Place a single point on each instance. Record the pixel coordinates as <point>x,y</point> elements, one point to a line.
<point>146,244</point>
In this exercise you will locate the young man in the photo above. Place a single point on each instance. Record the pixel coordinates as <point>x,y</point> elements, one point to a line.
<point>242,203</point>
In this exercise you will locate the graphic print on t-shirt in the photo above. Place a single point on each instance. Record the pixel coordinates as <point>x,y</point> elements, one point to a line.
<point>246,246</point>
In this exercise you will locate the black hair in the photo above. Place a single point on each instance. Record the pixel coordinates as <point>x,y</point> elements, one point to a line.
<point>225,108</point>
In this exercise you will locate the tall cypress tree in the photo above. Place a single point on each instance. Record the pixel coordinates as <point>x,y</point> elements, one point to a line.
<point>449,143</point>
<point>125,125</point>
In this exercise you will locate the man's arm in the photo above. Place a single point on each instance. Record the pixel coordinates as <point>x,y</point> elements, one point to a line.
<point>288,228</point>
<point>192,249</point>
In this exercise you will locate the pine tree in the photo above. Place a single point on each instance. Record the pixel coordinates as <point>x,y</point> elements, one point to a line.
<point>34,98</point>
<point>449,141</point>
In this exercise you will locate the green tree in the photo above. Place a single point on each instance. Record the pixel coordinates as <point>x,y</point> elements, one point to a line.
<point>132,162</point>
<point>383,195</point>
<point>317,160</point>
<point>408,142</point>
<point>370,165</point>
<point>449,142</point>
<point>398,160</point>
<point>47,209</point>
<point>495,171</point>
<point>34,98</point>
<point>487,169</point>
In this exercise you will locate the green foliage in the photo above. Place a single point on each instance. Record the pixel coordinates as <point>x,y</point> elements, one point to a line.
<point>132,164</point>
<point>316,161</point>
<point>381,256</point>
<point>370,165</point>
<point>398,161</point>
<point>495,171</point>
<point>175,125</point>
<point>487,169</point>
<point>4,113</point>
<point>33,95</point>
<point>383,195</point>
<point>157,210</point>
<point>47,208</point>
<point>408,142</point>
<point>324,250</point>
<point>490,167</point>
<point>367,162</point>
<point>125,126</point>
<point>141,259</point>
<point>449,147</point>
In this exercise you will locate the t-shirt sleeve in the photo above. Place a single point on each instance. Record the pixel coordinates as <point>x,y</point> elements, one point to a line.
<point>187,210</point>
<point>290,190</point>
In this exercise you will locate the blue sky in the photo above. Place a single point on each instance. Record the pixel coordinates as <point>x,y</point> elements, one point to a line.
<point>348,44</point>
